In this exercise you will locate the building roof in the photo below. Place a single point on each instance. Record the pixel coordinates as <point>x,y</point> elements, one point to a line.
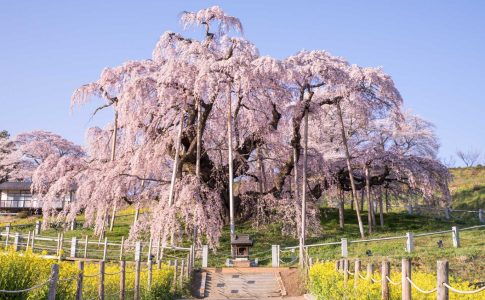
<point>19,186</point>
<point>241,239</point>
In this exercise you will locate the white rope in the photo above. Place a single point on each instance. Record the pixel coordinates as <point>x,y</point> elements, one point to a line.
<point>94,275</point>
<point>392,282</point>
<point>419,289</point>
<point>350,273</point>
<point>115,273</point>
<point>362,277</point>
<point>373,280</point>
<point>27,289</point>
<point>464,292</point>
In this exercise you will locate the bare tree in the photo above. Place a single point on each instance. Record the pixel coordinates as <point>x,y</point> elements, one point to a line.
<point>469,157</point>
<point>450,161</point>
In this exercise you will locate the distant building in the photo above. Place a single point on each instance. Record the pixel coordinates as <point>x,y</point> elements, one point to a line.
<point>16,196</point>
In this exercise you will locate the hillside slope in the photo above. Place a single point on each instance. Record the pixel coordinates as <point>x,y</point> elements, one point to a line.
<point>468,188</point>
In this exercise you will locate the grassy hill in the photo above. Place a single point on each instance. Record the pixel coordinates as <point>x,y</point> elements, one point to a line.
<point>468,188</point>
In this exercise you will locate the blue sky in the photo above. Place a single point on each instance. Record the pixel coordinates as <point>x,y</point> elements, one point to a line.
<point>433,49</point>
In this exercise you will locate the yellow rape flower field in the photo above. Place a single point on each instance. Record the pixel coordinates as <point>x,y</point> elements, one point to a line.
<point>24,270</point>
<point>327,283</point>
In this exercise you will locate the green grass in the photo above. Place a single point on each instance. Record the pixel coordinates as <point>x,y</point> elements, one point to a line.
<point>468,188</point>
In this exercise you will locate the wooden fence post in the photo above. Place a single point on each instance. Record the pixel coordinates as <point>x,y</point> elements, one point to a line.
<point>409,242</point>
<point>275,262</point>
<point>28,242</point>
<point>337,265</point>
<point>137,270</point>
<point>205,254</point>
<point>7,229</point>
<point>175,270</point>
<point>79,290</point>
<point>37,227</point>
<point>370,270</point>
<point>356,272</point>
<point>442,292</point>
<point>406,273</point>
<point>53,282</point>
<point>480,216</point>
<point>149,279</point>
<point>61,245</point>
<point>86,246</point>
<point>105,249</point>
<point>182,271</point>
<point>344,246</point>
<point>122,279</point>
<point>158,251</point>
<point>101,281</point>
<point>187,272</point>
<point>346,271</point>
<point>410,209</point>
<point>33,242</point>
<point>73,246</point>
<point>455,233</point>
<point>16,241</point>
<point>386,272</point>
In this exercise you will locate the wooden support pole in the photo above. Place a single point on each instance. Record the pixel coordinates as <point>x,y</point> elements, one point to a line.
<point>157,259</point>
<point>337,265</point>
<point>386,272</point>
<point>480,216</point>
<point>137,280</point>
<point>356,272</point>
<point>149,279</point>
<point>122,279</point>
<point>33,242</point>
<point>101,281</point>
<point>105,249</point>
<point>442,292</point>
<point>80,277</point>
<point>406,273</point>
<point>182,272</point>
<point>122,246</point>
<point>346,271</point>
<point>86,246</point>
<point>54,277</point>
<point>175,271</point>
<point>28,242</point>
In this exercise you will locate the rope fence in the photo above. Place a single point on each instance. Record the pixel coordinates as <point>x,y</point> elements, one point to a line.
<point>442,288</point>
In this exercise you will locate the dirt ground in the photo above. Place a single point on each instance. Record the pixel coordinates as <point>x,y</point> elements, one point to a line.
<point>294,282</point>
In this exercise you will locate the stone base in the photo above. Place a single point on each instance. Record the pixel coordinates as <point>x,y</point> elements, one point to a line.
<point>241,263</point>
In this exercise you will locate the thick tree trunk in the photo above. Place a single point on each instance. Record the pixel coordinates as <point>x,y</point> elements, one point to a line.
<point>349,167</point>
<point>303,189</point>
<point>176,160</point>
<point>229,146</point>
